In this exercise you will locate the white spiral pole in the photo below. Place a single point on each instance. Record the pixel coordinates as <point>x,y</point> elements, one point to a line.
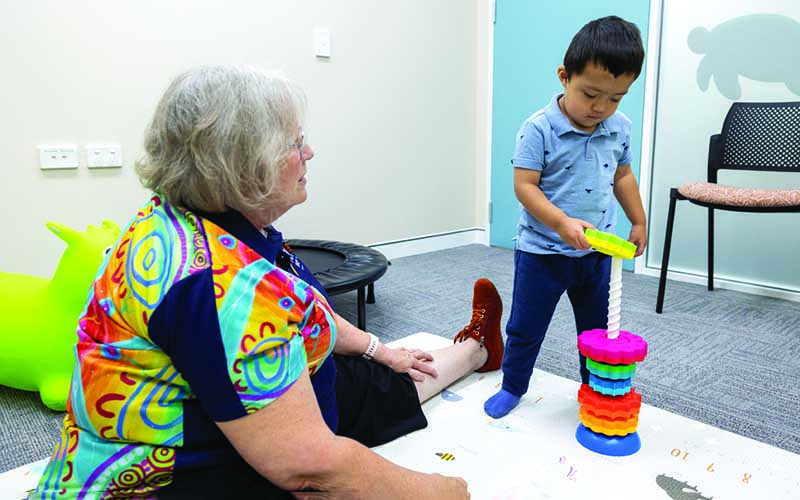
<point>614,298</point>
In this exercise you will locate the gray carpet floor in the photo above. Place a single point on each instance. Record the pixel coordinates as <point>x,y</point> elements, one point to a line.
<point>729,359</point>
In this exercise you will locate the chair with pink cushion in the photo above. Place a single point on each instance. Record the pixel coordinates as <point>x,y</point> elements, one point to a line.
<point>757,137</point>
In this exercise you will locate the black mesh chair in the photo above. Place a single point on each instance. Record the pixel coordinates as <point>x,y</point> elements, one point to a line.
<point>755,136</point>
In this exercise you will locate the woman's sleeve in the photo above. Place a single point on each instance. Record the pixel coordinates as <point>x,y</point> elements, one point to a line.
<point>233,336</point>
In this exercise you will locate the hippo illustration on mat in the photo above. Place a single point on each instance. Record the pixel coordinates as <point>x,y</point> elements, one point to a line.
<point>40,315</point>
<point>679,490</point>
<point>761,47</point>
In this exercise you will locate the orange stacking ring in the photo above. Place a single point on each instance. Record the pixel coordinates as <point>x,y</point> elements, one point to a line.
<point>616,427</point>
<point>611,407</point>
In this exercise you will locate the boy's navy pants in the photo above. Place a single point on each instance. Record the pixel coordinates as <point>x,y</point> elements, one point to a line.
<point>539,283</point>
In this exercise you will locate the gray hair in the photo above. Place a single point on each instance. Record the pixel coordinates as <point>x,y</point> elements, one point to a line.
<point>220,137</point>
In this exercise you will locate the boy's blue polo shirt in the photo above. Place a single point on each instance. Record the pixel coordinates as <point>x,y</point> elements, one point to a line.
<point>577,173</point>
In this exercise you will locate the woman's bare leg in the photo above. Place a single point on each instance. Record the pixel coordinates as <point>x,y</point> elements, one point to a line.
<point>452,363</point>
<point>478,346</point>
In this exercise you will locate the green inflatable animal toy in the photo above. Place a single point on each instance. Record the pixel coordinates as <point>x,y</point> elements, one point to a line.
<point>40,316</point>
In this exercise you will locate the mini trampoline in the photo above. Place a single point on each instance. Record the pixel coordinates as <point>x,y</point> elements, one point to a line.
<point>343,267</point>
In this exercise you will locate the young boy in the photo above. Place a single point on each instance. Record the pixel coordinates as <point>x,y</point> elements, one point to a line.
<point>572,158</point>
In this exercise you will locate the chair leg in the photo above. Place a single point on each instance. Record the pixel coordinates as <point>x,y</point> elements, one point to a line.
<point>710,248</point>
<point>362,309</point>
<point>662,281</point>
<point>371,293</point>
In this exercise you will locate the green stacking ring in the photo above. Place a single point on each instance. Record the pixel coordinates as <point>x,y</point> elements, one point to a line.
<point>610,244</point>
<point>614,372</point>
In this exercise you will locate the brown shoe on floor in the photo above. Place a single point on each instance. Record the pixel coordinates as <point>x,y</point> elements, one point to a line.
<point>487,308</point>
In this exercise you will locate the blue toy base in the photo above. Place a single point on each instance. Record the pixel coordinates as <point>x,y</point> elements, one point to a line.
<point>613,446</point>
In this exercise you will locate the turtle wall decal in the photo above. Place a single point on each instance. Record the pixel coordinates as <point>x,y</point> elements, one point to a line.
<point>761,47</point>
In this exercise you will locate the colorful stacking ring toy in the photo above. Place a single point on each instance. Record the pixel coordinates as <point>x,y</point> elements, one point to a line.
<point>610,406</point>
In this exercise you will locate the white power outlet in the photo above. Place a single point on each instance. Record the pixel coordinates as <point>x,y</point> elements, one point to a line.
<point>103,155</point>
<point>57,156</point>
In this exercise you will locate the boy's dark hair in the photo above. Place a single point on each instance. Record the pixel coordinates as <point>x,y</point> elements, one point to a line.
<point>610,42</point>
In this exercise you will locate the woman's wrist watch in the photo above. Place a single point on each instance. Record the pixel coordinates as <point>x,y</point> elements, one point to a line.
<point>372,348</point>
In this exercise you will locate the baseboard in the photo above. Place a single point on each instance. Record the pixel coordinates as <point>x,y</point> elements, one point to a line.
<point>726,284</point>
<point>451,239</point>
<point>431,242</point>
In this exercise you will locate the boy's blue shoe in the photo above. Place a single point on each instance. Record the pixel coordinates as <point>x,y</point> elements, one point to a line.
<point>500,404</point>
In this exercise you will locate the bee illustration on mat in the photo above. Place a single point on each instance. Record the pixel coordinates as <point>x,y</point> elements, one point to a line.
<point>447,457</point>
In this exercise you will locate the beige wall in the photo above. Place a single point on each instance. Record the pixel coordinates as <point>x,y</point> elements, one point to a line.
<point>398,115</point>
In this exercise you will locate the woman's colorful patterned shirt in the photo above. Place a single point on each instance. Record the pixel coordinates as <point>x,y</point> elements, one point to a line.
<point>185,325</point>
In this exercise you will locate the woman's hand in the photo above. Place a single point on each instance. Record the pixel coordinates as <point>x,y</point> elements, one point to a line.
<point>452,487</point>
<point>415,362</point>
<point>423,487</point>
<point>352,341</point>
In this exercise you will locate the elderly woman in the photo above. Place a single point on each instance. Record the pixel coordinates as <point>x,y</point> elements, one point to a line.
<point>210,363</point>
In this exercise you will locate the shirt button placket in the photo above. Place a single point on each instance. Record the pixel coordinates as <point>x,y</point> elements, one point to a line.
<point>587,153</point>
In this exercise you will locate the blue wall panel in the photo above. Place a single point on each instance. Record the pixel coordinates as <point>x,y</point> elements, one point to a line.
<point>529,43</point>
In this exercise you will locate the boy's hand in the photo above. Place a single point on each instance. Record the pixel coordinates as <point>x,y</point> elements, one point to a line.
<point>571,231</point>
<point>638,236</point>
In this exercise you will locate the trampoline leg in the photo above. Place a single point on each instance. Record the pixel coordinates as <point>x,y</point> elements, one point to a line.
<point>362,309</point>
<point>371,293</point>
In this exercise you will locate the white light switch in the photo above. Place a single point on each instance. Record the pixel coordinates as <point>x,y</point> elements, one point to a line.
<point>322,42</point>
<point>103,155</point>
<point>58,156</point>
